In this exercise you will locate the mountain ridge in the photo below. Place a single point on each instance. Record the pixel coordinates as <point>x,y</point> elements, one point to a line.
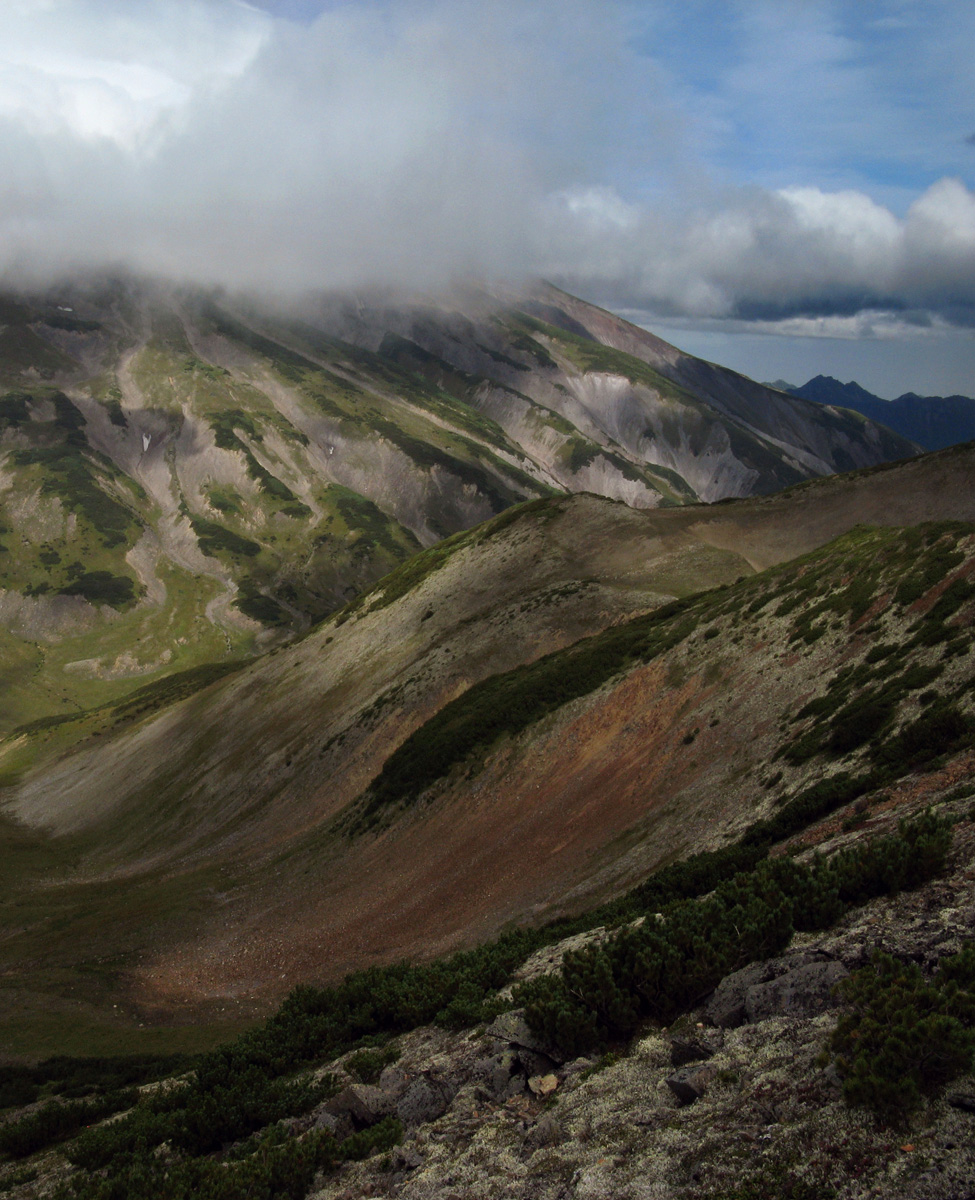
<point>934,422</point>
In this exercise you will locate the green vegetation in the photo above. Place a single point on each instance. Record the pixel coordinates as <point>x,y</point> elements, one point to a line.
<point>58,1120</point>
<point>847,717</point>
<point>657,970</point>
<point>368,1063</point>
<point>906,1036</point>
<point>277,1166</point>
<point>219,1123</point>
<point>214,538</point>
<point>419,566</point>
<point>83,481</point>
<point>102,587</point>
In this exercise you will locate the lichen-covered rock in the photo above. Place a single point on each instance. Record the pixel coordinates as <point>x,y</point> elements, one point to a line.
<point>363,1103</point>
<point>801,992</point>
<point>424,1100</point>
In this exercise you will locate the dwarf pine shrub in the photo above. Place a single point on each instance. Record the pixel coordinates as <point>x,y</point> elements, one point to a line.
<point>905,1036</point>
<point>656,970</point>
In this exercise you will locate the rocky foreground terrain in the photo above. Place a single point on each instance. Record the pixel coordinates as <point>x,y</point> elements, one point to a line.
<point>733,1100</point>
<point>739,1098</point>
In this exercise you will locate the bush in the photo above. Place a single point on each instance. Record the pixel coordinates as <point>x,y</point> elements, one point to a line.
<point>55,1121</point>
<point>905,1036</point>
<point>657,970</point>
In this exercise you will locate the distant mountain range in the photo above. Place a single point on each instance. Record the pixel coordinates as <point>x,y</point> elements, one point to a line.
<point>932,421</point>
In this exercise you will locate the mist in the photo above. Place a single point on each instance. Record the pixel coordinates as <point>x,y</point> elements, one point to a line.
<point>413,144</point>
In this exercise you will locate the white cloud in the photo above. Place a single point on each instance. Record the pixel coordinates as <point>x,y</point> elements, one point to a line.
<point>416,140</point>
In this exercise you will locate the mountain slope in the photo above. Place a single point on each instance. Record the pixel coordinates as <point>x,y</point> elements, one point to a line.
<point>185,479</point>
<point>932,421</point>
<point>241,822</point>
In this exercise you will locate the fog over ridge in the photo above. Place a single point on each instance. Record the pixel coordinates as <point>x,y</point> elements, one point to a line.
<point>414,143</point>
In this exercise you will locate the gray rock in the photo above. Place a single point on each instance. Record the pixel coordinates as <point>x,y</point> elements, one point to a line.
<point>363,1103</point>
<point>516,1085</point>
<point>339,1125</point>
<point>690,1083</point>
<point>424,1100</point>
<point>802,992</point>
<point>726,1008</point>
<point>494,1072</point>
<point>535,1063</point>
<point>405,1158</point>
<point>512,1028</point>
<point>545,1132</point>
<point>394,1081</point>
<point>688,1050</point>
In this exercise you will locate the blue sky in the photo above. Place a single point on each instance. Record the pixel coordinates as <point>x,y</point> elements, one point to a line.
<point>787,186</point>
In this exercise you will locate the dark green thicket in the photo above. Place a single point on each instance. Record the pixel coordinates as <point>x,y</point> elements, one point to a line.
<point>214,538</point>
<point>102,587</point>
<point>254,604</point>
<point>906,1035</point>
<point>665,965</point>
<point>862,703</point>
<point>57,1120</point>
<point>278,1167</point>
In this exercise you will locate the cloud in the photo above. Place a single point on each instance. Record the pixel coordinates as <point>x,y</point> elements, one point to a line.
<point>405,143</point>
<point>413,141</point>
<point>794,253</point>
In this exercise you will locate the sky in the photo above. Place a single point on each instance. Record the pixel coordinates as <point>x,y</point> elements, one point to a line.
<point>783,186</point>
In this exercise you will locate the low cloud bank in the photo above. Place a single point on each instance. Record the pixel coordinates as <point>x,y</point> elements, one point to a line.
<point>412,144</point>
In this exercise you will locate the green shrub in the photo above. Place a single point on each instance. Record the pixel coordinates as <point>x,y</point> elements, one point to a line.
<point>906,1036</point>
<point>657,970</point>
<point>368,1063</point>
<point>57,1120</point>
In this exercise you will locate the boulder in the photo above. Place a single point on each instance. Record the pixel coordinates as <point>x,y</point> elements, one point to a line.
<point>798,985</point>
<point>726,1008</point>
<point>688,1050</point>
<point>424,1100</point>
<point>543,1085</point>
<point>511,1027</point>
<point>545,1132</point>
<point>496,1071</point>
<point>690,1083</point>
<point>394,1081</point>
<point>805,991</point>
<point>363,1103</point>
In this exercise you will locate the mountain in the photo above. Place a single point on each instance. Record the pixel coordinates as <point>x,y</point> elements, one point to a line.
<point>190,480</point>
<point>518,722</point>
<point>932,421</point>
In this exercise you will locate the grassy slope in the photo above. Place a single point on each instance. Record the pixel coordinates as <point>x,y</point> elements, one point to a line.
<point>291,724</point>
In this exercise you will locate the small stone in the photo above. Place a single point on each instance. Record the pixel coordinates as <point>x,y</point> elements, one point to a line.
<point>543,1085</point>
<point>688,1050</point>
<point>545,1132</point>
<point>690,1084</point>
